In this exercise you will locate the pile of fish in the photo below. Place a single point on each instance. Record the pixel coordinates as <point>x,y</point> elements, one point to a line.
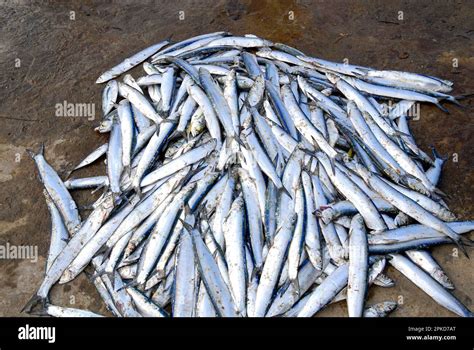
<point>245,178</point>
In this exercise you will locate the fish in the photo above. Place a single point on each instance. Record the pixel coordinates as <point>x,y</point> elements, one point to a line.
<point>358,267</point>
<point>422,280</point>
<point>327,290</point>
<point>233,228</point>
<point>109,96</point>
<point>273,265</point>
<point>380,309</point>
<point>88,228</point>
<point>58,192</point>
<point>87,182</point>
<point>186,281</point>
<point>131,62</point>
<point>59,311</point>
<point>140,102</point>
<point>59,232</point>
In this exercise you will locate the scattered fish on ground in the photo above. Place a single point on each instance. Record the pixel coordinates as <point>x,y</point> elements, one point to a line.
<point>246,179</point>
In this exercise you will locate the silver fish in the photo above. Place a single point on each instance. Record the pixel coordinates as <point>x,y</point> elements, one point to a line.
<point>131,62</point>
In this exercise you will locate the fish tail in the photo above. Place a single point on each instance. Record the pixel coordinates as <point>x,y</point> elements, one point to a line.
<point>102,250</point>
<point>333,166</point>
<point>161,273</point>
<point>257,270</point>
<point>98,274</point>
<point>35,300</point>
<point>187,226</point>
<point>128,285</point>
<point>238,140</point>
<point>453,99</point>
<point>463,96</point>
<point>467,241</point>
<point>404,134</point>
<point>138,191</point>
<point>41,312</point>
<point>437,155</point>
<point>127,170</point>
<point>284,288</point>
<point>442,108</point>
<point>296,285</point>
<point>105,187</point>
<point>68,173</point>
<point>66,277</point>
<point>307,151</point>
<point>440,193</point>
<point>182,134</point>
<point>86,207</point>
<point>285,191</point>
<point>32,154</point>
<point>461,244</point>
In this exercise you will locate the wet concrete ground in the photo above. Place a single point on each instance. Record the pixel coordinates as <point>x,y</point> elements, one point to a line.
<point>60,59</point>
